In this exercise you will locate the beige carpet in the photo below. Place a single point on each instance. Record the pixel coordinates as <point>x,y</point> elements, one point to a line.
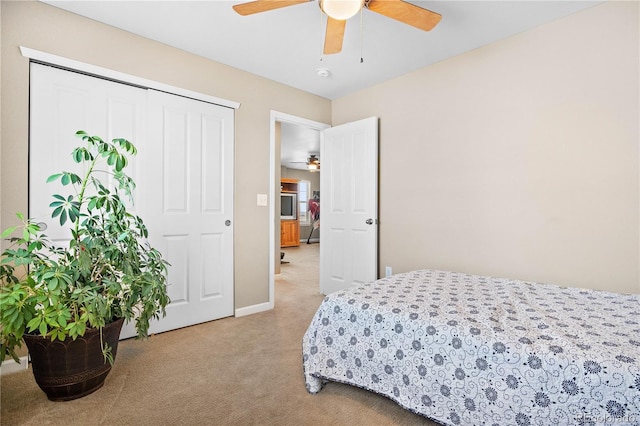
<point>234,371</point>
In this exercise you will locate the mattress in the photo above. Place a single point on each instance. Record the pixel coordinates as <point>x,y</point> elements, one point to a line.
<point>474,350</point>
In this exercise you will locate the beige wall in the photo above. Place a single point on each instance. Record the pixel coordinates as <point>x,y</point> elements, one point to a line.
<point>518,159</point>
<point>45,28</point>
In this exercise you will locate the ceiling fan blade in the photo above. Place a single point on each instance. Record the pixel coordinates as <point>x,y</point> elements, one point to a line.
<point>334,36</point>
<point>406,13</point>
<point>264,5</point>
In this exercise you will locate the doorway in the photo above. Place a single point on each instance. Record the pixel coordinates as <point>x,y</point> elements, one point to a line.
<point>277,120</point>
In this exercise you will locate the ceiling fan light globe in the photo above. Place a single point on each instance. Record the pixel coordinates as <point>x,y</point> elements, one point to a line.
<point>341,9</point>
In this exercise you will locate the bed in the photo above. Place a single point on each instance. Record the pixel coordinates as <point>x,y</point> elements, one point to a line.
<point>474,350</point>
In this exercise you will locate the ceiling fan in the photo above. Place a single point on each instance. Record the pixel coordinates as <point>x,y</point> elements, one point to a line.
<point>338,11</point>
<point>313,163</point>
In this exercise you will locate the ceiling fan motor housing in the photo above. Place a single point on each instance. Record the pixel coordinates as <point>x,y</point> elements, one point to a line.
<point>341,9</point>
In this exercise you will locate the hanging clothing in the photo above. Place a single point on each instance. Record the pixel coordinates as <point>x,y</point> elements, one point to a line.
<point>314,209</point>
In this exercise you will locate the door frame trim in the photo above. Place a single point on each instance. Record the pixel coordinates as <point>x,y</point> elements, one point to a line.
<point>97,71</point>
<point>277,116</point>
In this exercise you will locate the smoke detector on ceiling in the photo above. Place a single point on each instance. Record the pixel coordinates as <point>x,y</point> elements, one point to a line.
<point>323,72</point>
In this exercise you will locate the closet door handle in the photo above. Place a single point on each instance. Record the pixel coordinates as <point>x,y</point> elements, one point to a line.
<point>369,221</point>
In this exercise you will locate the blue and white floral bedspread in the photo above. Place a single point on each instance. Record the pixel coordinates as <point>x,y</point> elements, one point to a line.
<point>472,350</point>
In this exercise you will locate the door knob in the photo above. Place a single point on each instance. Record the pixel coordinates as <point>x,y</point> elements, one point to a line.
<point>227,222</point>
<point>369,221</point>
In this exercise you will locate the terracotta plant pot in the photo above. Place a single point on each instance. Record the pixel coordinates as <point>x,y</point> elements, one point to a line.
<point>71,369</point>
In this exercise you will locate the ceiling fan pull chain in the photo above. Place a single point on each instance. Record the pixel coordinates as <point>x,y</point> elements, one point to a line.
<point>321,36</point>
<point>361,35</point>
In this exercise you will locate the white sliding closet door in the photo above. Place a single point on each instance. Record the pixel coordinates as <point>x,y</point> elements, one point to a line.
<point>188,194</point>
<point>183,171</point>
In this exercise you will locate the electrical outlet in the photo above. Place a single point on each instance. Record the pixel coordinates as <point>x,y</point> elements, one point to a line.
<point>262,199</point>
<point>388,271</point>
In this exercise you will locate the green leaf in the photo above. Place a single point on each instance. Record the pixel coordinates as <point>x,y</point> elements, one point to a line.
<point>53,177</point>
<point>53,283</point>
<point>34,323</point>
<point>74,212</point>
<point>43,328</point>
<point>57,210</point>
<point>52,322</point>
<point>67,279</point>
<point>62,320</point>
<point>33,228</point>
<point>7,232</point>
<point>34,245</point>
<point>77,155</point>
<point>48,274</point>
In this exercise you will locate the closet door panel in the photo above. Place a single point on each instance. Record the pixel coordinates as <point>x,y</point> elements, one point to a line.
<point>187,182</point>
<point>61,103</point>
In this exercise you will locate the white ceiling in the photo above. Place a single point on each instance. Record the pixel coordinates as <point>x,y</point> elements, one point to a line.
<point>297,143</point>
<point>285,45</point>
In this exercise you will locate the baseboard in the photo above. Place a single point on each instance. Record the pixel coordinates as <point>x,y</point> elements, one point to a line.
<point>312,240</point>
<point>254,309</point>
<point>10,366</point>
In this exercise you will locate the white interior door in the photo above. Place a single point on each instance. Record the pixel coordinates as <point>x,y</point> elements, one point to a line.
<point>183,171</point>
<point>187,184</point>
<point>349,220</point>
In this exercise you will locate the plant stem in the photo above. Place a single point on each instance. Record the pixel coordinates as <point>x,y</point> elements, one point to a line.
<point>83,188</point>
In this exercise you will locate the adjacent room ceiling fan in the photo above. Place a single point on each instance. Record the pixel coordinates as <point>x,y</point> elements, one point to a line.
<point>338,11</point>
<point>313,163</point>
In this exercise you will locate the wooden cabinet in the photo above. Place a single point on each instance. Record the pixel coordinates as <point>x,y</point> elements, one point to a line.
<point>289,228</point>
<point>289,185</point>
<point>289,233</point>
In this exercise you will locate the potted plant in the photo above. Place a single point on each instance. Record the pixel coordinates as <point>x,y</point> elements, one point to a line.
<point>76,297</point>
